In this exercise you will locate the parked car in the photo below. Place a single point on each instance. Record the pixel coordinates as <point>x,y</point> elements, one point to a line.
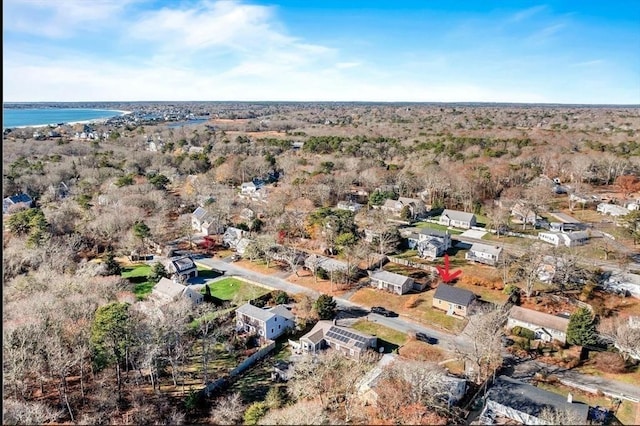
<point>427,339</point>
<point>383,311</point>
<point>235,257</point>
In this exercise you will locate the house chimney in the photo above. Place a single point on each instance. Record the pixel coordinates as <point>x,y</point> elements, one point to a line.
<point>570,398</point>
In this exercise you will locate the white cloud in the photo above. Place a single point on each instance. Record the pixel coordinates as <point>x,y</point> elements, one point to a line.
<point>527,13</point>
<point>60,19</point>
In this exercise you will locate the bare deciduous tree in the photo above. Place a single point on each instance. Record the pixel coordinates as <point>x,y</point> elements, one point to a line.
<point>624,336</point>
<point>485,352</point>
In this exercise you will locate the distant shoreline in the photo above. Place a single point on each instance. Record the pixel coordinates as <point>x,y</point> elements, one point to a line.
<point>71,123</point>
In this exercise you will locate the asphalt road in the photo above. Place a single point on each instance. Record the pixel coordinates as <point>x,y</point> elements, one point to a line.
<point>402,324</point>
<point>523,370</point>
<point>526,370</point>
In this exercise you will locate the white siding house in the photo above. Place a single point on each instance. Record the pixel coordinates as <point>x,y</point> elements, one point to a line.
<point>267,323</point>
<point>457,219</point>
<point>545,326</point>
<point>484,253</point>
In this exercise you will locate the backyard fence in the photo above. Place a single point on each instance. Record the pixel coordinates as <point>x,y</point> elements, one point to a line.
<point>252,359</point>
<point>416,265</point>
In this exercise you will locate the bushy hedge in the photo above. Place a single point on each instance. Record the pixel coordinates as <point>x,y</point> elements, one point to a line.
<point>523,332</point>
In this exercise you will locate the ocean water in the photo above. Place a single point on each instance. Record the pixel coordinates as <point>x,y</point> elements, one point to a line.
<point>22,117</point>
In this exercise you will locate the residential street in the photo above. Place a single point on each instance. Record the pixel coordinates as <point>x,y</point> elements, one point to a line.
<point>524,370</point>
<point>448,341</point>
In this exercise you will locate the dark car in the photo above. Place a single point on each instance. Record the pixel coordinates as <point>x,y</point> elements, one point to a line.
<point>427,339</point>
<point>383,311</point>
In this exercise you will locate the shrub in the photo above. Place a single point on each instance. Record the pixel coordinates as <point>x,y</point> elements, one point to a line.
<point>523,332</point>
<point>255,412</point>
<point>610,362</point>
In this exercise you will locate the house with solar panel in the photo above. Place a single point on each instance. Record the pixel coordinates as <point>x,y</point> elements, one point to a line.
<point>268,323</point>
<point>182,268</point>
<point>16,202</point>
<point>349,342</point>
<point>395,283</point>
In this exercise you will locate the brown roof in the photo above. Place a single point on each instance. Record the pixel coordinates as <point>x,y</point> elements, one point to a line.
<point>541,319</point>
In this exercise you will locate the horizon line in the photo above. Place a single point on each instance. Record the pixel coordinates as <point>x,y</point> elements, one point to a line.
<point>332,102</point>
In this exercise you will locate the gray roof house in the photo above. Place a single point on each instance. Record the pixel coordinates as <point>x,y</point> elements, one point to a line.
<point>202,221</point>
<point>546,327</point>
<point>457,219</point>
<point>518,401</point>
<point>395,283</point>
<point>314,261</point>
<point>612,209</point>
<point>569,239</point>
<point>350,205</point>
<point>453,300</point>
<point>430,243</point>
<point>417,208</point>
<point>232,237</point>
<point>484,253</point>
<point>182,267</point>
<point>347,341</point>
<point>16,201</point>
<point>166,291</point>
<point>269,323</point>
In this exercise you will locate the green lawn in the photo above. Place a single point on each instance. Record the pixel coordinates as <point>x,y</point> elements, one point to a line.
<point>437,226</point>
<point>381,331</point>
<point>137,275</point>
<point>136,272</point>
<point>233,288</point>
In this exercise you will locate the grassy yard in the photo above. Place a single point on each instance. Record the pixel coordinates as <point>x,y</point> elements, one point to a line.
<point>137,275</point>
<point>420,308</point>
<point>420,351</point>
<point>626,412</point>
<point>235,289</point>
<point>437,226</point>
<point>383,333</point>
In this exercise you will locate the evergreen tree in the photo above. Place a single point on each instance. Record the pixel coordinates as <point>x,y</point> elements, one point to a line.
<point>325,306</point>
<point>157,272</point>
<point>582,329</point>
<point>111,264</point>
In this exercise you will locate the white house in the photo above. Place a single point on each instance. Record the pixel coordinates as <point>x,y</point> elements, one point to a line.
<point>612,209</point>
<point>457,219</point>
<point>267,323</point>
<point>352,206</point>
<point>166,291</point>
<point>248,188</point>
<point>430,243</point>
<point>232,237</point>
<point>546,327</point>
<point>395,283</point>
<point>484,253</point>
<point>571,239</point>
<point>202,222</point>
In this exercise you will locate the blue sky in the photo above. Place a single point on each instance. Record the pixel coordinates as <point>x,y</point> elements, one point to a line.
<point>415,51</point>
